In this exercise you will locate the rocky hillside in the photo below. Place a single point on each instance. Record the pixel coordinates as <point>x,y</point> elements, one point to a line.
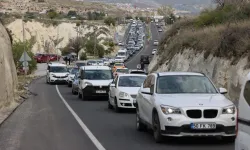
<point>43,32</point>
<point>215,43</point>
<point>8,78</point>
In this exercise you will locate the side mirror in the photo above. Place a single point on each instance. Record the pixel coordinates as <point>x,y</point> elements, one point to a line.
<point>146,91</point>
<point>223,90</point>
<point>112,85</point>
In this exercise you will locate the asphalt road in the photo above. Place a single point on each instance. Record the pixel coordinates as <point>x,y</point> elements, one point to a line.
<point>55,119</point>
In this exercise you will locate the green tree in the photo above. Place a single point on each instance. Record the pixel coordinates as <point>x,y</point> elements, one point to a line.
<point>52,14</point>
<point>128,17</point>
<point>165,10</point>
<point>83,56</point>
<point>76,44</point>
<point>109,21</point>
<point>18,48</point>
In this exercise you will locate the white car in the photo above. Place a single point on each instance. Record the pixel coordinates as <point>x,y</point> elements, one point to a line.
<point>181,104</point>
<point>160,30</point>
<point>243,137</point>
<point>94,81</point>
<point>156,42</point>
<point>57,73</point>
<point>119,60</point>
<point>154,51</point>
<point>123,91</point>
<point>100,62</point>
<point>120,44</point>
<point>71,75</point>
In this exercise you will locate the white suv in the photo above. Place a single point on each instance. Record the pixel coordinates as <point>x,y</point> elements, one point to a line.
<point>243,137</point>
<point>184,104</point>
<point>94,81</point>
<point>57,72</point>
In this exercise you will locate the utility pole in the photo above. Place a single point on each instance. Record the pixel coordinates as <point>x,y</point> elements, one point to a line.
<point>95,43</point>
<point>56,46</point>
<point>25,60</point>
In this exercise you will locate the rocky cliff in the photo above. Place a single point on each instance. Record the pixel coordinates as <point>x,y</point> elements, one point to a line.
<point>8,76</point>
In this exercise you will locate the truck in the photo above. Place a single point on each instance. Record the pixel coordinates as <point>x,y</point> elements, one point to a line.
<point>242,141</point>
<point>123,53</point>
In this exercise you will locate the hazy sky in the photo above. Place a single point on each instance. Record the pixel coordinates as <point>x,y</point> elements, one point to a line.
<point>184,1</point>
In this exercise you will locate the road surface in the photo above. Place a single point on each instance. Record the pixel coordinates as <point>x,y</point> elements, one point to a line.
<point>57,120</point>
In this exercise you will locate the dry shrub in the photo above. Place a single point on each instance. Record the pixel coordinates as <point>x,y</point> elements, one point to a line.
<point>226,41</point>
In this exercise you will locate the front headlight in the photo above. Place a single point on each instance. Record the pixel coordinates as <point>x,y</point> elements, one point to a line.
<point>229,110</point>
<point>88,83</point>
<point>123,95</point>
<point>170,110</point>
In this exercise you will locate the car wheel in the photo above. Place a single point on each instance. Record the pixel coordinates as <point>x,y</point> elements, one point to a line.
<point>229,139</point>
<point>139,125</point>
<point>109,105</point>
<point>73,91</point>
<point>69,85</point>
<point>47,80</point>
<point>83,98</point>
<point>117,108</point>
<point>79,95</point>
<point>157,128</point>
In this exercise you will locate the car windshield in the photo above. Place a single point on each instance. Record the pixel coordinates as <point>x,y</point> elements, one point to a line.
<point>122,70</point>
<point>92,61</point>
<point>137,72</point>
<point>131,81</point>
<point>183,84</point>
<point>118,58</point>
<point>121,53</point>
<point>100,61</point>
<point>73,70</point>
<point>118,65</point>
<point>80,64</point>
<point>98,75</point>
<point>58,69</point>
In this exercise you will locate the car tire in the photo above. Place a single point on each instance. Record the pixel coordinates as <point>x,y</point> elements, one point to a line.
<point>229,139</point>
<point>139,125</point>
<point>73,92</point>
<point>109,105</point>
<point>69,85</point>
<point>79,95</point>
<point>83,98</point>
<point>117,108</point>
<point>157,128</point>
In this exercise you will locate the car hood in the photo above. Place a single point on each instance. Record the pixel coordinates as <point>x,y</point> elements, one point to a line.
<point>99,82</point>
<point>130,90</point>
<point>194,100</point>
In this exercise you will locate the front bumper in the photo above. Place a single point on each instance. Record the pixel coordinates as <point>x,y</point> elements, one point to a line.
<point>58,79</point>
<point>125,103</point>
<point>96,91</point>
<point>180,125</point>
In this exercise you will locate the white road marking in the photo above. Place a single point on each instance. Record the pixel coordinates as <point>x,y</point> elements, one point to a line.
<point>80,122</point>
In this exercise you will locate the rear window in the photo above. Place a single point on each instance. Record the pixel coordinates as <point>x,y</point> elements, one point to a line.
<point>247,92</point>
<point>118,65</point>
<point>137,72</point>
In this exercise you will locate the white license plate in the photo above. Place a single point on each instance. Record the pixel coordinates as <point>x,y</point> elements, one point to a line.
<point>203,126</point>
<point>100,91</point>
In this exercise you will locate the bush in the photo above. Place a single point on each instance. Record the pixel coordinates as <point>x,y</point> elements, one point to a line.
<point>109,21</point>
<point>83,56</point>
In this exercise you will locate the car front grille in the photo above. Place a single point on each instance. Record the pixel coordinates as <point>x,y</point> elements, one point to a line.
<point>207,113</point>
<point>195,113</point>
<point>210,113</point>
<point>60,76</point>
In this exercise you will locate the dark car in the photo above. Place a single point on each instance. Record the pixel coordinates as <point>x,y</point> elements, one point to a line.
<point>144,59</point>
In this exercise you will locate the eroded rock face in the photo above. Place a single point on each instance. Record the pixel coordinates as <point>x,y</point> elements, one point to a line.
<point>8,75</point>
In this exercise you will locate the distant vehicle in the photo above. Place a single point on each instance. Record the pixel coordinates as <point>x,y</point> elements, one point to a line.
<point>80,63</point>
<point>94,81</point>
<point>156,42</point>
<point>243,137</point>
<point>120,44</point>
<point>122,53</point>
<point>119,59</point>
<point>92,63</point>
<point>160,30</point>
<point>118,65</point>
<point>144,59</point>
<point>57,73</point>
<point>75,84</point>
<point>120,71</point>
<point>123,91</point>
<point>137,71</point>
<point>100,62</point>
<point>137,47</point>
<point>154,51</point>
<point>71,75</point>
<point>42,58</point>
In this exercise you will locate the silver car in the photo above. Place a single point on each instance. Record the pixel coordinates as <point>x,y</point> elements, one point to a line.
<point>75,84</point>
